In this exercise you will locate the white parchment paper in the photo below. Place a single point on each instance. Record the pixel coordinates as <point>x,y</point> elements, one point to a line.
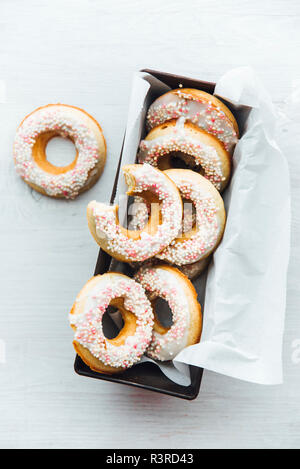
<point>246,285</point>
<point>245,292</point>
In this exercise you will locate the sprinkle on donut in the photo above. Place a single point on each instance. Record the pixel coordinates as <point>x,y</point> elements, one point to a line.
<point>87,319</point>
<point>200,110</point>
<point>67,122</point>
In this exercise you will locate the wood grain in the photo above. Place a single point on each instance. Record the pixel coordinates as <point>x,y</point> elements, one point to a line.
<point>83,53</point>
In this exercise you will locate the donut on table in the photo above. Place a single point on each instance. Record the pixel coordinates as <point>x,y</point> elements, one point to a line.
<point>162,227</point>
<point>175,288</point>
<point>203,238</point>
<point>111,355</point>
<point>201,108</point>
<point>198,149</point>
<point>59,120</point>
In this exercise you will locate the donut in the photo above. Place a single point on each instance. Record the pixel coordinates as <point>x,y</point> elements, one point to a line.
<point>32,137</point>
<point>171,285</point>
<point>201,108</point>
<point>111,355</point>
<point>203,238</point>
<point>198,149</point>
<point>162,227</point>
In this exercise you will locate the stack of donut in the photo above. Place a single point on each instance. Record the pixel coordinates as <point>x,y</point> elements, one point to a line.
<point>184,160</point>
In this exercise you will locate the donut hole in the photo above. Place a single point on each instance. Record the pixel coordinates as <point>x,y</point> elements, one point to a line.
<point>123,319</point>
<point>178,160</point>
<point>147,223</point>
<point>163,317</point>
<point>60,151</point>
<point>112,322</point>
<point>137,214</point>
<point>182,160</point>
<point>188,217</point>
<point>53,153</point>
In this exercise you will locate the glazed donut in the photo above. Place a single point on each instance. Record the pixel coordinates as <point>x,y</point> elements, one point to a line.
<point>175,288</point>
<point>199,150</point>
<point>162,227</point>
<point>65,121</point>
<point>111,355</point>
<point>202,109</point>
<point>203,238</point>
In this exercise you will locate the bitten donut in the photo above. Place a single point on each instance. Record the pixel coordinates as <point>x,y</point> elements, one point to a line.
<point>59,120</point>
<point>198,149</point>
<point>201,108</point>
<point>162,227</point>
<point>175,288</point>
<point>202,238</point>
<point>111,355</point>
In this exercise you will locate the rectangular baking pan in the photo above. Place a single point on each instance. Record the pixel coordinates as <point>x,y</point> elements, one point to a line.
<point>148,375</point>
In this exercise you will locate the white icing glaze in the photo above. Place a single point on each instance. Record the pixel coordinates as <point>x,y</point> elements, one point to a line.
<point>159,282</point>
<point>89,331</point>
<point>199,111</point>
<point>66,122</point>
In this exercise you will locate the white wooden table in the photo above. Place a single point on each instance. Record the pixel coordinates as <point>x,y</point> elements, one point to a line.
<point>84,53</point>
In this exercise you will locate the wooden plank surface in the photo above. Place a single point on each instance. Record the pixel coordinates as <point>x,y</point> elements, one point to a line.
<point>84,53</point>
